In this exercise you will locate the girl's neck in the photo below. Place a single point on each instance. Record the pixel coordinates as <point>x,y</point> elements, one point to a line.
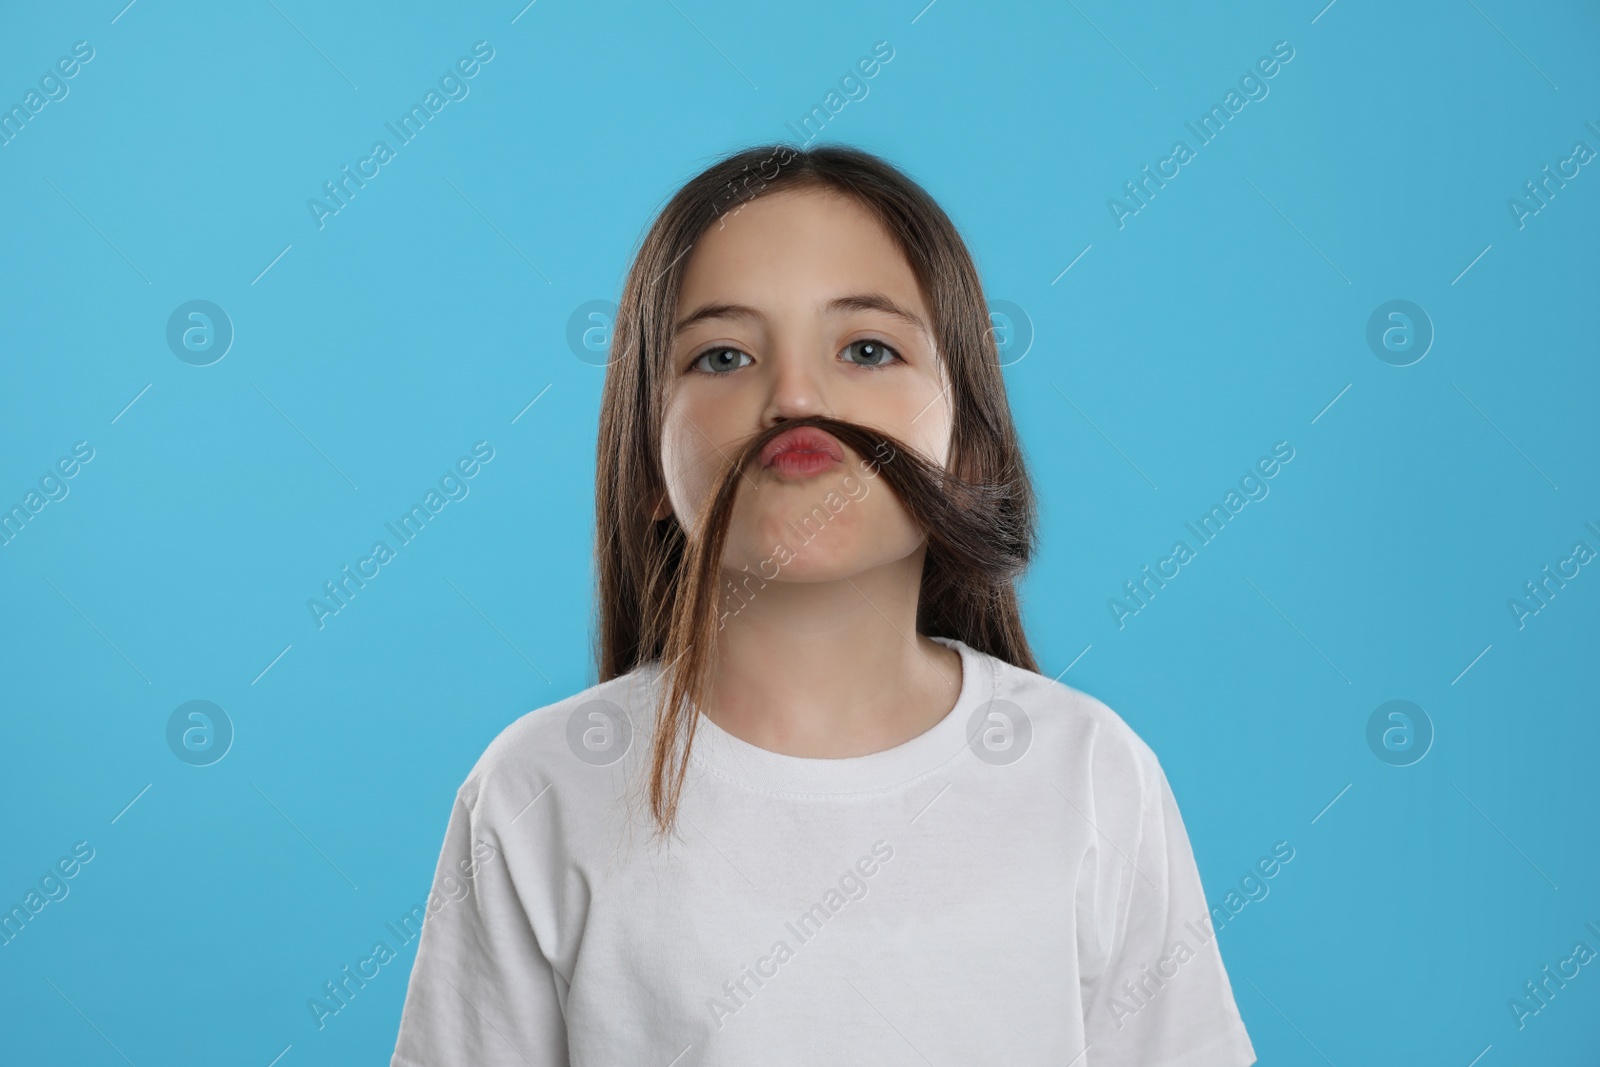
<point>828,670</point>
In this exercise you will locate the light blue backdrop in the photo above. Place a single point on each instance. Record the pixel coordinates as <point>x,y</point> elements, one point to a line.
<point>1151,363</point>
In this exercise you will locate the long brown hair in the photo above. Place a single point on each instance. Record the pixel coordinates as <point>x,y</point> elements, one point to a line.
<point>657,587</point>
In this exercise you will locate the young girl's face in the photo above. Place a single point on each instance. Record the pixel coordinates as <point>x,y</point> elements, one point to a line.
<point>799,304</point>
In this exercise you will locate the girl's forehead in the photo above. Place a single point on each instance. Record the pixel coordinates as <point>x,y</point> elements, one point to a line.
<point>792,243</point>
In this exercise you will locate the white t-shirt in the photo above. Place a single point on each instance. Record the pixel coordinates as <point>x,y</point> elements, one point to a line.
<point>1027,896</point>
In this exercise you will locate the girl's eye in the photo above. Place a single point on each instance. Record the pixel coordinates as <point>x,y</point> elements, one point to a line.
<point>721,360</point>
<point>872,353</point>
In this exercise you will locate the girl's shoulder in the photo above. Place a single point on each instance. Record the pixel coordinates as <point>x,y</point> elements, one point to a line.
<point>569,742</point>
<point>1072,724</point>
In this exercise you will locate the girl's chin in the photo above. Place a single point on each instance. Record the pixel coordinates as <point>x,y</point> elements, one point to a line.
<point>799,568</point>
<point>804,563</point>
<point>781,544</point>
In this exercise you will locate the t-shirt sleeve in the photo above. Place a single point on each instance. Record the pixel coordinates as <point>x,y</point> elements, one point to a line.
<point>481,990</point>
<point>1161,997</point>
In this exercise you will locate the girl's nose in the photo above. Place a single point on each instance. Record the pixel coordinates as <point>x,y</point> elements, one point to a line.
<point>797,385</point>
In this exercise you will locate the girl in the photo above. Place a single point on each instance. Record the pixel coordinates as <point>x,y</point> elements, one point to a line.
<point>821,809</point>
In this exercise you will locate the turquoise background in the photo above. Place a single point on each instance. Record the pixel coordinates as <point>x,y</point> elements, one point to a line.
<point>1230,313</point>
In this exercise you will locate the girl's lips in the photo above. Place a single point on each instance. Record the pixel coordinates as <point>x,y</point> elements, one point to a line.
<point>802,451</point>
<point>801,464</point>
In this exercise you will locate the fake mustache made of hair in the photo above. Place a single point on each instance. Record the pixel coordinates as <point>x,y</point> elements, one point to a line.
<point>972,528</point>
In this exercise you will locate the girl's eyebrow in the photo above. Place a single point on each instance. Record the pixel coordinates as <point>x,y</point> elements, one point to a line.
<point>853,302</point>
